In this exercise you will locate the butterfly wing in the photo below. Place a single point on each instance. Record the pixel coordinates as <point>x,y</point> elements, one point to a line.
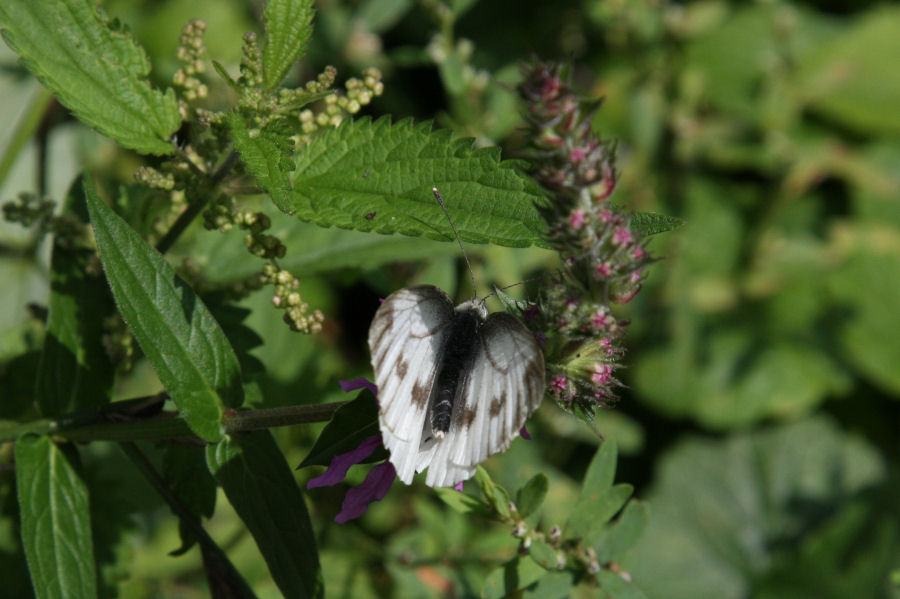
<point>405,341</point>
<point>504,387</point>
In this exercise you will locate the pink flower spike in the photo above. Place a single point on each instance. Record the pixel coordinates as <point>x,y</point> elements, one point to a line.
<point>524,433</point>
<point>558,383</point>
<point>339,465</point>
<point>459,486</point>
<point>378,482</point>
<point>360,383</point>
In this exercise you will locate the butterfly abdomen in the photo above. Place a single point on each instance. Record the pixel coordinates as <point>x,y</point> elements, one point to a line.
<point>459,352</point>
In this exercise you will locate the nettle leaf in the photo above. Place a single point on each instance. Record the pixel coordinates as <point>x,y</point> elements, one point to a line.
<point>259,485</point>
<point>95,69</point>
<point>267,154</point>
<point>351,424</point>
<point>378,176</point>
<point>74,371</point>
<point>288,29</point>
<point>56,523</point>
<point>183,342</point>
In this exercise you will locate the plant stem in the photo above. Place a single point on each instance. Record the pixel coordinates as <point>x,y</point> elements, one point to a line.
<point>167,425</point>
<point>194,208</point>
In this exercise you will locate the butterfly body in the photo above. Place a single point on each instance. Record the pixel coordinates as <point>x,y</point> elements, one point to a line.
<point>455,384</point>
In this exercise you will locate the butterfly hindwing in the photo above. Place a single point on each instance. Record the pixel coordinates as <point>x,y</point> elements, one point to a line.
<point>405,341</point>
<point>505,385</point>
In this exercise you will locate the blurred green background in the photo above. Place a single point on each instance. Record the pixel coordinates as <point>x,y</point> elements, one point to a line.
<point>761,416</point>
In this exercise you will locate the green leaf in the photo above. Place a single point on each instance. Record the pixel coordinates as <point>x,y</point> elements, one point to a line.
<point>351,424</point>
<point>185,345</point>
<point>591,516</point>
<point>56,527</point>
<point>184,469</point>
<point>95,68</point>
<point>623,535</point>
<point>530,497</point>
<point>259,484</point>
<point>618,587</point>
<point>849,78</point>
<point>518,573</point>
<point>267,154</point>
<point>543,554</point>
<point>496,496</point>
<point>463,502</point>
<point>74,371</point>
<point>736,514</point>
<point>555,585</point>
<point>378,176</point>
<point>288,29</point>
<point>651,223</point>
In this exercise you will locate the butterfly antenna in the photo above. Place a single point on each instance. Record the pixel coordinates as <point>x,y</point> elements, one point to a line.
<point>440,200</point>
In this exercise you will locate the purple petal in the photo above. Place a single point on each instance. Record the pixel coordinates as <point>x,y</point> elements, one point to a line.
<point>459,486</point>
<point>378,482</point>
<point>524,433</point>
<point>360,383</point>
<point>337,470</point>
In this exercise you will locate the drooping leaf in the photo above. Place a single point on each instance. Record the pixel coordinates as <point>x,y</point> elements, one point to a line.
<point>94,67</point>
<point>74,371</point>
<point>55,516</point>
<point>378,176</point>
<point>259,485</point>
<point>185,345</point>
<point>288,29</point>
<point>351,424</point>
<point>184,469</point>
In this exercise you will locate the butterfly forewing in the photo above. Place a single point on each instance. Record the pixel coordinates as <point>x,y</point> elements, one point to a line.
<point>505,385</point>
<point>502,383</point>
<point>405,340</point>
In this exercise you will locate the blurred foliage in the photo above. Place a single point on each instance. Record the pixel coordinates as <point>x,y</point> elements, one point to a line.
<point>762,418</point>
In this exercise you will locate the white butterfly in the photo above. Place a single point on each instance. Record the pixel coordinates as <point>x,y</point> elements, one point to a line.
<point>455,385</point>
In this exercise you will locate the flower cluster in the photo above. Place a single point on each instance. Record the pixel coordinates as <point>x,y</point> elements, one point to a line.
<point>603,257</point>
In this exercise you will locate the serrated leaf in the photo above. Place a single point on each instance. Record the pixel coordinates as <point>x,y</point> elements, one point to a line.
<point>267,154</point>
<point>530,497</point>
<point>288,29</point>
<point>185,345</point>
<point>651,223</point>
<point>259,485</point>
<point>543,554</point>
<point>351,424</point>
<point>96,69</point>
<point>378,176</point>
<point>55,516</point>
<point>624,534</point>
<point>74,371</point>
<point>518,573</point>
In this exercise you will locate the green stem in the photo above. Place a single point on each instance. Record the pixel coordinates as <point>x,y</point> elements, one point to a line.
<point>194,208</point>
<point>211,550</point>
<point>166,425</point>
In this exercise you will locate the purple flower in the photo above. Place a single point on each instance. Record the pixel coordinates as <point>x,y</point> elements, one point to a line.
<point>379,480</point>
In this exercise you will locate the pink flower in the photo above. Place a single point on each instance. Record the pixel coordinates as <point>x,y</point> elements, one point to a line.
<point>558,383</point>
<point>601,373</point>
<point>604,269</point>
<point>599,319</point>
<point>622,236</point>
<point>576,219</point>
